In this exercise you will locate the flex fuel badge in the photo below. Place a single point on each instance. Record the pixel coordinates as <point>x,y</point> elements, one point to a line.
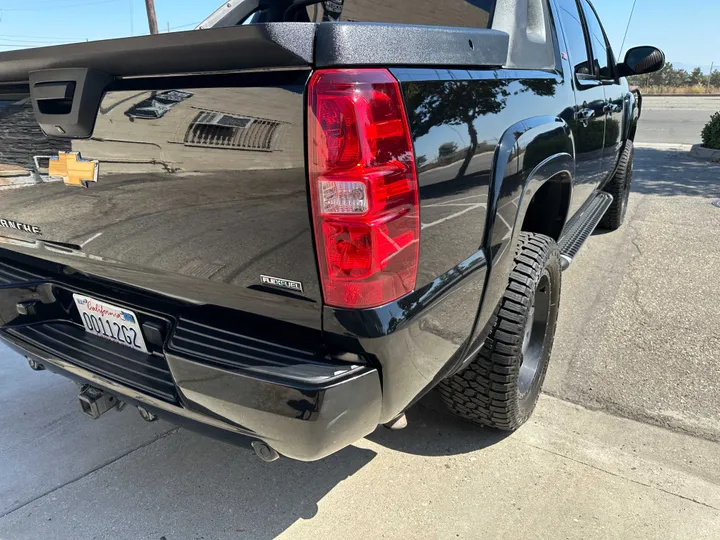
<point>282,283</point>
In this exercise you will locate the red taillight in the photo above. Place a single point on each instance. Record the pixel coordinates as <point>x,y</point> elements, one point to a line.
<point>363,187</point>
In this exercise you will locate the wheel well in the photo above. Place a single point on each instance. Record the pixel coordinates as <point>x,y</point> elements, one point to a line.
<point>548,208</point>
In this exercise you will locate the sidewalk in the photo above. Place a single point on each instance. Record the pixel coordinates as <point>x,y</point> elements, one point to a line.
<point>568,474</point>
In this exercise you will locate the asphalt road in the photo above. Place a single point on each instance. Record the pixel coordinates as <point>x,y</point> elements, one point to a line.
<point>638,342</point>
<point>675,119</point>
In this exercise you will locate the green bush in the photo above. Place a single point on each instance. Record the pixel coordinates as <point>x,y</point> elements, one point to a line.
<point>711,132</point>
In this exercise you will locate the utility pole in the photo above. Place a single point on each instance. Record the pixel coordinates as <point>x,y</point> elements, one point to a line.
<point>712,65</point>
<point>152,18</point>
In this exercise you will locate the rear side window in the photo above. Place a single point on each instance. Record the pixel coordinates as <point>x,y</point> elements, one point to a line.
<point>575,36</point>
<point>600,48</point>
<point>467,13</point>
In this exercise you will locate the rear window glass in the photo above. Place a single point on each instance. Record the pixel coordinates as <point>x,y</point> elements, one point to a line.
<point>467,13</point>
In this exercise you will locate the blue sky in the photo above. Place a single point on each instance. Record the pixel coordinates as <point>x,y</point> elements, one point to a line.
<point>687,30</point>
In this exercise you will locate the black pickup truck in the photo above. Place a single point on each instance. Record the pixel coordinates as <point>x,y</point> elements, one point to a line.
<point>291,223</point>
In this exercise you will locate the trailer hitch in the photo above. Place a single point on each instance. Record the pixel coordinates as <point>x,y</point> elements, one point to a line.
<point>95,402</point>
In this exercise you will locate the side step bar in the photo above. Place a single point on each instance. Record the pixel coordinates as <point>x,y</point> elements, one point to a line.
<point>581,226</point>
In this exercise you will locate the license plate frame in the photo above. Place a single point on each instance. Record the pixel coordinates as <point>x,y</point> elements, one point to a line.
<point>110,322</point>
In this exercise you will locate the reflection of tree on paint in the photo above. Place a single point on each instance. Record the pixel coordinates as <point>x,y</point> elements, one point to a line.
<point>447,151</point>
<point>612,132</point>
<point>539,87</point>
<point>454,103</point>
<point>463,103</point>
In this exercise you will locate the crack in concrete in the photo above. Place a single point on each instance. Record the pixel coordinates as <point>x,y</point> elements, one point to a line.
<point>685,427</point>
<point>616,475</point>
<point>88,473</point>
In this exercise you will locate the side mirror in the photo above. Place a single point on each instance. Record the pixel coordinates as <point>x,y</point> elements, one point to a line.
<point>640,60</point>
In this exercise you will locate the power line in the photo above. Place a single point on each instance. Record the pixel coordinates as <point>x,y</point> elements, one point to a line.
<point>627,28</point>
<point>185,25</point>
<point>2,36</point>
<point>54,7</point>
<point>36,41</point>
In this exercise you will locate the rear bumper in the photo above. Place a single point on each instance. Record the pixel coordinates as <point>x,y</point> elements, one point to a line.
<point>301,422</point>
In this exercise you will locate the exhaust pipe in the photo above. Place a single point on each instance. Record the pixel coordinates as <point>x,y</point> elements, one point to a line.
<point>265,452</point>
<point>95,402</point>
<point>146,415</point>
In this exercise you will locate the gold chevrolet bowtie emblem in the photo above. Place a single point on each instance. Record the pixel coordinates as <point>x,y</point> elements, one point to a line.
<point>73,170</point>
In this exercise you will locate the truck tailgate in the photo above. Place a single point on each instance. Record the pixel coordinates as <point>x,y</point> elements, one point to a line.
<point>200,186</point>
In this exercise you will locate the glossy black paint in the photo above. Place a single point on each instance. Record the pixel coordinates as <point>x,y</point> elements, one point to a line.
<point>188,227</point>
<point>465,126</point>
<point>486,142</point>
<point>184,205</point>
<point>306,404</point>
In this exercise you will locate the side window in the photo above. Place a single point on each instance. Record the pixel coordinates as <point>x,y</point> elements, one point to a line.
<point>575,36</point>
<point>600,48</point>
<point>467,13</point>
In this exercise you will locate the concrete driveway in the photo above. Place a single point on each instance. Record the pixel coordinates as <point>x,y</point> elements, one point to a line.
<point>636,353</point>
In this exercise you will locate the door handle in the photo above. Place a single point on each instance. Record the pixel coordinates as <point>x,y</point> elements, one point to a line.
<point>584,115</point>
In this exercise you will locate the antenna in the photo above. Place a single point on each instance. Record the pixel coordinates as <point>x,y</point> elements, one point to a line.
<point>627,28</point>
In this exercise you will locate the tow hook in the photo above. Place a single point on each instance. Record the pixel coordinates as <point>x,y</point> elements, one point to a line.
<point>34,365</point>
<point>94,402</point>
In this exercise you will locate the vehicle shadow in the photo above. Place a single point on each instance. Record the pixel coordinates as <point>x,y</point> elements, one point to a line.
<point>185,485</point>
<point>432,431</point>
<point>674,173</point>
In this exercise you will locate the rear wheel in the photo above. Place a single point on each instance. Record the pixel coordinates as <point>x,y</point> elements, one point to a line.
<point>501,385</point>
<point>619,188</point>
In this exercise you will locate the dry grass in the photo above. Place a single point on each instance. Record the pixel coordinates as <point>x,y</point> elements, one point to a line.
<point>697,89</point>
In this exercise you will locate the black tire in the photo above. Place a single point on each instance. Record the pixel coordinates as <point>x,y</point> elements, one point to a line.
<point>502,384</point>
<point>619,188</point>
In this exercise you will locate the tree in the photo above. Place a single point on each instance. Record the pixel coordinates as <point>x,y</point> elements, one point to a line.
<point>697,77</point>
<point>715,78</point>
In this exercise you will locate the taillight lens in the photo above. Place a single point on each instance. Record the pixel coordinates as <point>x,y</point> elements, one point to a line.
<point>363,187</point>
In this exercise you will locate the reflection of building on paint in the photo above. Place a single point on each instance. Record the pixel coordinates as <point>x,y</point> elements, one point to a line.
<point>158,104</point>
<point>219,130</point>
<point>466,13</point>
<point>210,129</point>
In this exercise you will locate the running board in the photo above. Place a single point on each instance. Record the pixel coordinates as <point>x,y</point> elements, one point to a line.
<point>581,226</point>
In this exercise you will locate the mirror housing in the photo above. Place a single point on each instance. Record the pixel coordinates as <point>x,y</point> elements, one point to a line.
<point>641,60</point>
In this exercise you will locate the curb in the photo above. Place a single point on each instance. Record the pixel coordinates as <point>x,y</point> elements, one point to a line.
<point>700,152</point>
<point>681,95</point>
<point>677,147</point>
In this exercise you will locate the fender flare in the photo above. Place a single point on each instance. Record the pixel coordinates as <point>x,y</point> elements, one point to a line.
<point>529,154</point>
<point>631,115</point>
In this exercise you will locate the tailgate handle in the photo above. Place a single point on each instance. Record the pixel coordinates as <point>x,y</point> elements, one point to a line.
<point>55,90</point>
<point>66,101</point>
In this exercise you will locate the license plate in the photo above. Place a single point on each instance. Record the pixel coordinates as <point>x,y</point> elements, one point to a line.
<point>110,322</point>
